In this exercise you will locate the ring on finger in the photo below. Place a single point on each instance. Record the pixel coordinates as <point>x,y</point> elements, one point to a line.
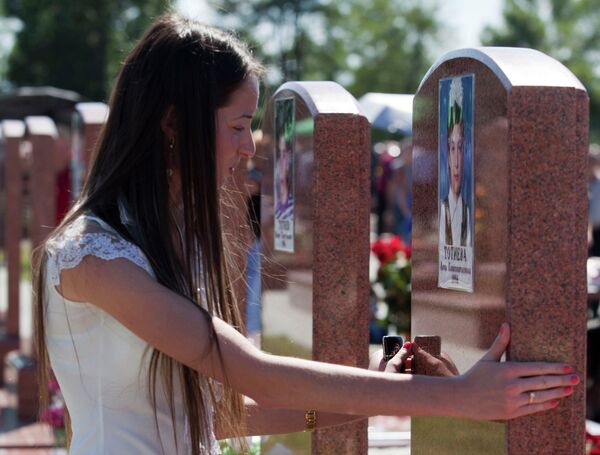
<point>531,398</point>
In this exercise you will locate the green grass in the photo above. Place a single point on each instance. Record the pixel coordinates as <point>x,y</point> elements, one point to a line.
<point>452,436</point>
<point>25,260</point>
<point>282,345</point>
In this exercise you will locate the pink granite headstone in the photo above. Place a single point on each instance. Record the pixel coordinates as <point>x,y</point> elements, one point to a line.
<point>513,247</point>
<point>315,238</point>
<point>12,132</point>
<point>87,122</point>
<point>41,133</point>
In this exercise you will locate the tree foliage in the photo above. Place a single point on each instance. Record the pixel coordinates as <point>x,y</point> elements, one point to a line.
<point>366,45</point>
<point>566,30</point>
<point>75,45</point>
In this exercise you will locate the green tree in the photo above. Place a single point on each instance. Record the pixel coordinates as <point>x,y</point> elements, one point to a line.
<point>279,30</point>
<point>365,45</point>
<point>75,45</point>
<point>566,30</point>
<point>387,43</point>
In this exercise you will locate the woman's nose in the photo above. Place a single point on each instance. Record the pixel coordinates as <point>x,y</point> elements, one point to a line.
<point>248,150</point>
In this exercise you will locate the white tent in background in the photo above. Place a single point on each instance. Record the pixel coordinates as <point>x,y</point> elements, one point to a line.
<point>388,111</point>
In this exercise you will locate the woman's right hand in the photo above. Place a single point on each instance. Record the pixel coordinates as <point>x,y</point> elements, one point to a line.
<point>495,390</point>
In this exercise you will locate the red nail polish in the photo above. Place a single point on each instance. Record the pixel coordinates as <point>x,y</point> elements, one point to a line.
<point>574,379</point>
<point>568,389</point>
<point>406,345</point>
<point>568,369</point>
<point>554,403</point>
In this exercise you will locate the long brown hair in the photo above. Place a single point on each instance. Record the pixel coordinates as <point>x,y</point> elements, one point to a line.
<point>194,69</point>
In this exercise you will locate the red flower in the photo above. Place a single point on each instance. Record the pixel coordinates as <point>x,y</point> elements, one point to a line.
<point>387,248</point>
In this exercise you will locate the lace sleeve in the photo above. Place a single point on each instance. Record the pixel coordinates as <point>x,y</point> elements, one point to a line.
<point>87,236</point>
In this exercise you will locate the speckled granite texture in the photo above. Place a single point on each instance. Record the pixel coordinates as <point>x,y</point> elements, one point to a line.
<point>41,131</point>
<point>330,264</point>
<point>12,134</point>
<point>530,155</point>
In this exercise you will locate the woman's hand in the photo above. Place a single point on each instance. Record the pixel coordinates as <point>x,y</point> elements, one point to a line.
<point>431,365</point>
<point>505,390</point>
<point>394,365</point>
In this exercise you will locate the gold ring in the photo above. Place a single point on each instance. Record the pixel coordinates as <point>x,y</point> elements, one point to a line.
<point>531,398</point>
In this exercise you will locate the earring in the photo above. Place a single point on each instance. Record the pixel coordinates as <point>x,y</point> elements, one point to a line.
<point>169,172</point>
<point>172,143</point>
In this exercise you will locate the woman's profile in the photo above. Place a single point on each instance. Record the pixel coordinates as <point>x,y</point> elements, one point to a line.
<point>135,312</point>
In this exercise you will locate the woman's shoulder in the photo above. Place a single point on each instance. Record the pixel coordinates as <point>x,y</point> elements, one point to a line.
<point>88,235</point>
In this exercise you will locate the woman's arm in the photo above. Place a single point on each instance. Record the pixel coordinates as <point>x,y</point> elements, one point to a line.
<point>263,421</point>
<point>490,390</point>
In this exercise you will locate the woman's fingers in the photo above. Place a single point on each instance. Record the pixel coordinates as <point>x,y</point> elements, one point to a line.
<point>429,364</point>
<point>394,365</point>
<point>531,397</point>
<point>525,369</point>
<point>450,365</point>
<point>531,384</point>
<point>500,344</point>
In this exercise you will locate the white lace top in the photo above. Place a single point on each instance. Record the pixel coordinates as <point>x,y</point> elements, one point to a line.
<point>101,366</point>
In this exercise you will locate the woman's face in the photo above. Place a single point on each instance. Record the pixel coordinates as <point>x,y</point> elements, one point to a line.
<point>455,158</point>
<point>234,136</point>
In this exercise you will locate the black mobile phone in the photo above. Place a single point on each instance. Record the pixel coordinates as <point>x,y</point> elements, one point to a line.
<point>391,345</point>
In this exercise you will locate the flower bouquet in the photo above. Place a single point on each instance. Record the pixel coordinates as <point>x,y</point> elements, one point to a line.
<point>391,281</point>
<point>54,415</point>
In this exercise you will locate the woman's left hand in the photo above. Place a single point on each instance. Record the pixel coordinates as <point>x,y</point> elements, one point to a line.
<point>394,365</point>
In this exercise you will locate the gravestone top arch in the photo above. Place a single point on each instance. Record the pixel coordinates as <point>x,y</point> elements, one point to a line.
<point>515,66</point>
<point>92,112</point>
<point>322,97</point>
<point>41,125</point>
<point>13,128</point>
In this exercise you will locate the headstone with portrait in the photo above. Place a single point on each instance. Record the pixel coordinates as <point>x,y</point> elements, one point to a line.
<point>499,233</point>
<point>315,239</point>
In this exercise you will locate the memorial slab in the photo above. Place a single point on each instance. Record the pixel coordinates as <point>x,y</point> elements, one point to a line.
<point>12,132</point>
<point>499,232</point>
<point>315,237</point>
<point>87,122</point>
<point>41,132</point>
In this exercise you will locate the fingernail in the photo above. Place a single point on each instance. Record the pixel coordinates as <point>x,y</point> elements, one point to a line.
<point>407,345</point>
<point>554,403</point>
<point>568,389</point>
<point>574,379</point>
<point>568,369</point>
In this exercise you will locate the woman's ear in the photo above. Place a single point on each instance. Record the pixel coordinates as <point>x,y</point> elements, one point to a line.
<point>168,123</point>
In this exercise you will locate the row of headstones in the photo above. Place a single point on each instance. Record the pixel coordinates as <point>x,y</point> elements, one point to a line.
<point>29,147</point>
<point>527,193</point>
<point>523,123</point>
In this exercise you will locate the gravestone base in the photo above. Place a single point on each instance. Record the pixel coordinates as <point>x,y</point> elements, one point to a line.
<point>21,379</point>
<point>8,343</point>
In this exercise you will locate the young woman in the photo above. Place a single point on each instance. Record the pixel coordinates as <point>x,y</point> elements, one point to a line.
<point>135,312</point>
